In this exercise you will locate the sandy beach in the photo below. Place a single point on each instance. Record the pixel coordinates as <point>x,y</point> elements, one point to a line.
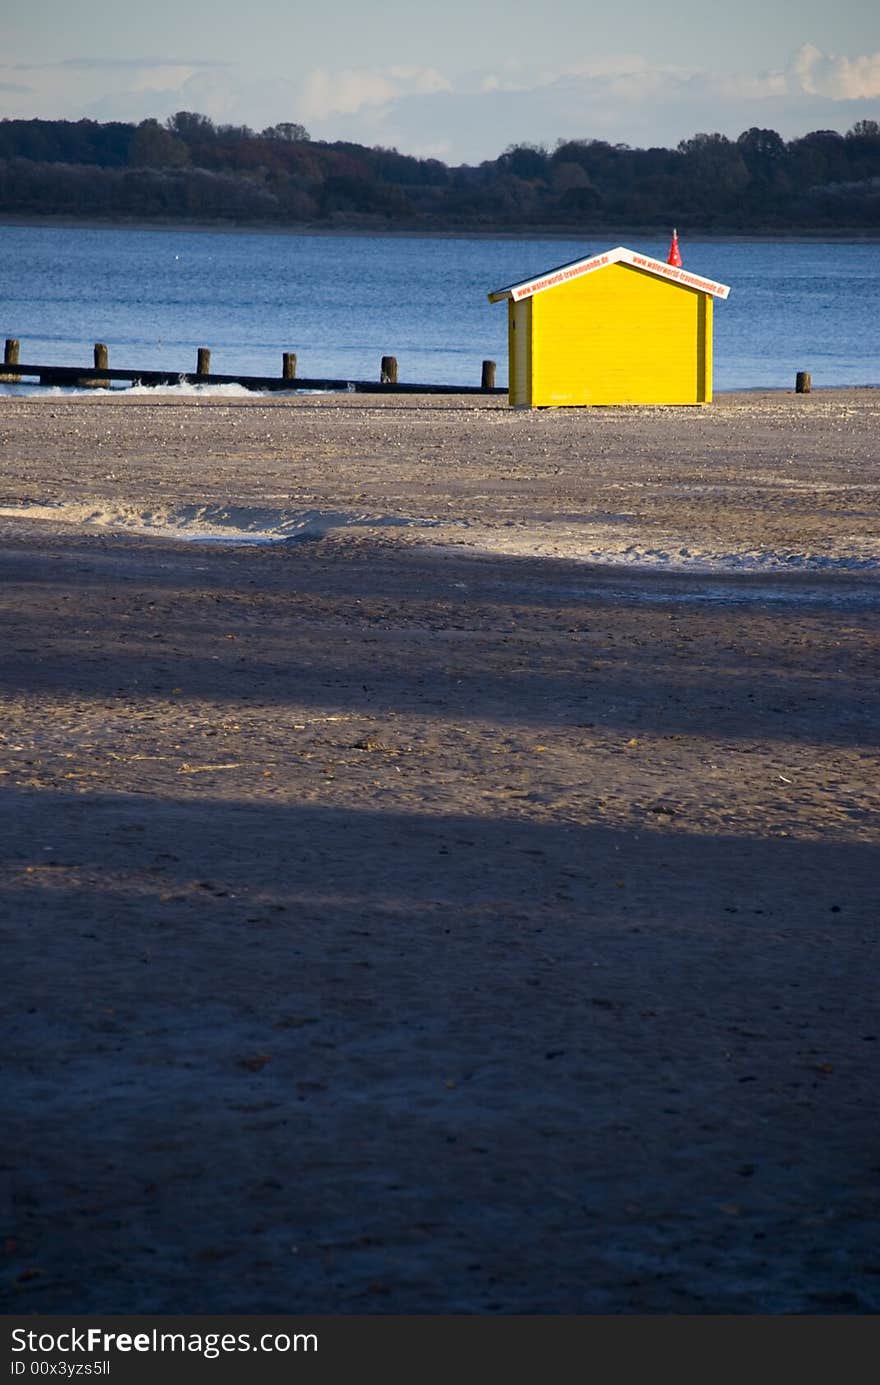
<point>440,864</point>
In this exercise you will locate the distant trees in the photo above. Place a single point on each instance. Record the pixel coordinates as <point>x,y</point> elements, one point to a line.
<point>191,168</point>
<point>191,127</point>
<point>154,147</point>
<point>288,131</point>
<point>527,161</point>
<point>66,141</point>
<point>195,129</point>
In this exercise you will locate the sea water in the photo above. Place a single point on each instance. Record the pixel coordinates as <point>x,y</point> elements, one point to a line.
<point>341,302</point>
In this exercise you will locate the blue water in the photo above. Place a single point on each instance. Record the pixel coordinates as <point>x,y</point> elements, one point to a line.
<point>342,302</point>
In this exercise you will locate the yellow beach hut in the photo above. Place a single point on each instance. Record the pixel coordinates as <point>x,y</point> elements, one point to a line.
<point>616,328</point>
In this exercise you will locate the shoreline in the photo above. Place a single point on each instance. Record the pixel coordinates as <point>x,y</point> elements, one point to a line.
<point>34,390</point>
<point>604,234</point>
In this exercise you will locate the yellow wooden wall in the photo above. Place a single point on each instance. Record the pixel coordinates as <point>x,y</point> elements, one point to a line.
<point>619,335</point>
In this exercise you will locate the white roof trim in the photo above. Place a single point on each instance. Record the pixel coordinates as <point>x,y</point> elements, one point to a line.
<point>620,255</point>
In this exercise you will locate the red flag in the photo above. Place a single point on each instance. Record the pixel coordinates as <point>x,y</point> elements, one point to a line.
<point>674,256</point>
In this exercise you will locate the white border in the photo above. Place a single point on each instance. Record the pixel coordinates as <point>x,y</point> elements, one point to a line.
<point>620,255</point>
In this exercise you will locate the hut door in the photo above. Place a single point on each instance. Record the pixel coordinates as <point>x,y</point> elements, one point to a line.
<point>520,353</point>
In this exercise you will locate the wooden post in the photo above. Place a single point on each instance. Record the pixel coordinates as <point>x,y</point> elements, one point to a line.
<point>101,358</point>
<point>102,362</point>
<point>388,374</point>
<point>203,361</point>
<point>487,379</point>
<point>803,383</point>
<point>288,365</point>
<point>10,357</point>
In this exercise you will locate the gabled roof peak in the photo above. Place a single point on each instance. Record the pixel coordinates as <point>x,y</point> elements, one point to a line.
<point>619,255</point>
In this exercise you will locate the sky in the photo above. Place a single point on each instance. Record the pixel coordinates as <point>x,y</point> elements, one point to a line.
<point>459,81</point>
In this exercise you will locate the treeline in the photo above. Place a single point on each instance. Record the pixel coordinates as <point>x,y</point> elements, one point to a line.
<point>191,169</point>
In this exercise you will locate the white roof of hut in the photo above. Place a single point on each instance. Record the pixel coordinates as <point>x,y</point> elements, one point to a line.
<point>620,255</point>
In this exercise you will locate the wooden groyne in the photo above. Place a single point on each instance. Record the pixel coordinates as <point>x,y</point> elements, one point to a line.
<point>101,375</point>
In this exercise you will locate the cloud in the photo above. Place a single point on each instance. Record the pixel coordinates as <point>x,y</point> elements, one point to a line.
<point>86,64</point>
<point>160,92</point>
<point>328,93</point>
<point>517,75</point>
<point>744,88</point>
<point>621,99</point>
<point>127,63</point>
<point>839,79</point>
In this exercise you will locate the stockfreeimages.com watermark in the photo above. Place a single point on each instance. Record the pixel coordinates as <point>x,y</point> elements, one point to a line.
<point>96,1341</point>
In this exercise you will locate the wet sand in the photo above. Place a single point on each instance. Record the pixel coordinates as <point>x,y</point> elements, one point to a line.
<point>468,905</point>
